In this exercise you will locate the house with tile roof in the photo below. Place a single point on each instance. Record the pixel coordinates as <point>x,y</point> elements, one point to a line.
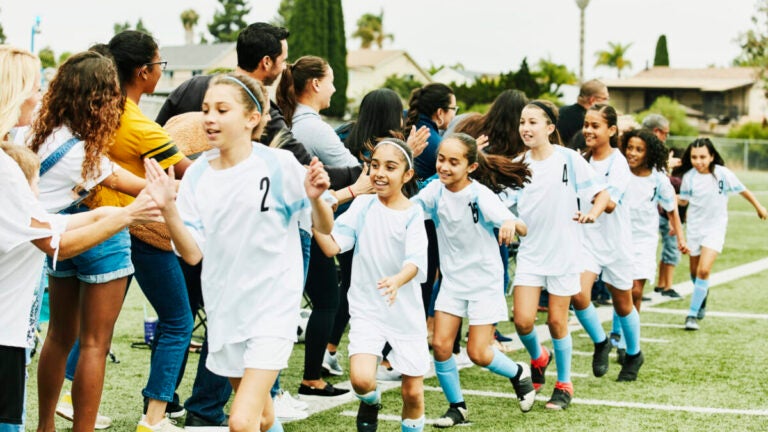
<point>186,61</point>
<point>369,68</point>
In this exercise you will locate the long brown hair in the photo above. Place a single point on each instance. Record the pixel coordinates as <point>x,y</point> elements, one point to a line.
<point>294,80</point>
<point>494,171</point>
<point>84,96</point>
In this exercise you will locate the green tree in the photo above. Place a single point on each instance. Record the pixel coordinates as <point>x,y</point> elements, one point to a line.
<point>119,28</point>
<point>189,20</point>
<point>662,56</point>
<point>319,30</point>
<point>2,35</point>
<point>674,112</point>
<point>64,56</point>
<point>226,24</point>
<point>284,11</point>
<point>552,76</point>
<point>47,57</point>
<point>614,57</point>
<point>370,30</point>
<point>402,85</point>
<point>754,43</point>
<point>140,27</point>
<point>525,81</point>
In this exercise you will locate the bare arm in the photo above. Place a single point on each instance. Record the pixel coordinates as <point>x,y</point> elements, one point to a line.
<point>749,196</point>
<point>125,181</point>
<point>599,204</point>
<point>326,243</point>
<point>677,227</point>
<point>315,183</point>
<point>391,284</point>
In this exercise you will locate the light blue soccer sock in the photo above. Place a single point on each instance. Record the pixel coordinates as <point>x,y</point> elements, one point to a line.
<point>563,353</point>
<point>370,398</point>
<point>591,323</point>
<point>276,426</point>
<point>616,328</point>
<point>503,365</point>
<point>630,324</point>
<point>531,343</point>
<point>700,289</point>
<point>412,425</point>
<point>448,375</point>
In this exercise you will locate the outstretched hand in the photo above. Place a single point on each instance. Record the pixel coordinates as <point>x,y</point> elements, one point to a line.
<point>390,286</point>
<point>317,180</point>
<point>144,209</point>
<point>584,218</point>
<point>482,142</point>
<point>417,140</point>
<point>761,212</point>
<point>160,186</point>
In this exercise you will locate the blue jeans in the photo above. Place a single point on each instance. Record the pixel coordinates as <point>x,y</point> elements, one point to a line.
<point>669,252</point>
<point>162,282</point>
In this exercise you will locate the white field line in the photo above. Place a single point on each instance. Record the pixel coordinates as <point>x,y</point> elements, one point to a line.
<point>619,404</point>
<point>649,340</point>
<point>709,313</point>
<point>573,374</point>
<point>386,417</point>
<point>661,325</point>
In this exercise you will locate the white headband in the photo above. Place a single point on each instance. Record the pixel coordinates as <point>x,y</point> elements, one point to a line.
<point>405,153</point>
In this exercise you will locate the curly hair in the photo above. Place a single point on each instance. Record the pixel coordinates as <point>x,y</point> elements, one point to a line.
<point>494,171</point>
<point>84,96</point>
<point>655,151</point>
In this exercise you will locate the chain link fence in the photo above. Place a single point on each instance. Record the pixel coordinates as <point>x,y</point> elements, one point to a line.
<point>739,153</point>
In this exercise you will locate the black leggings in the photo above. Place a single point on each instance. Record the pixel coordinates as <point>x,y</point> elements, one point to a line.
<point>322,287</point>
<point>342,314</point>
<point>433,263</point>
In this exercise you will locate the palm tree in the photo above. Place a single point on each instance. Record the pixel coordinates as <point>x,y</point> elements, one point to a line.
<point>189,20</point>
<point>614,57</point>
<point>370,30</point>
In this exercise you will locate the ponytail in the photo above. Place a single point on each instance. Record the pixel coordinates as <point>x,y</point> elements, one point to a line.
<point>427,100</point>
<point>286,95</point>
<point>294,81</point>
<point>494,171</point>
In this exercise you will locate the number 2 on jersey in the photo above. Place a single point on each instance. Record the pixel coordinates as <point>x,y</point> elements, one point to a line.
<point>264,186</point>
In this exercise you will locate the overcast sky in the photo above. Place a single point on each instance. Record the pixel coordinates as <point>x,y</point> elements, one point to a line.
<point>483,35</point>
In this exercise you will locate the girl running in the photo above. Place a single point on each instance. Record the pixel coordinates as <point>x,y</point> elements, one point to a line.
<point>387,233</point>
<point>252,312</point>
<point>608,246</point>
<point>549,256</point>
<point>465,212</point>
<point>705,189</point>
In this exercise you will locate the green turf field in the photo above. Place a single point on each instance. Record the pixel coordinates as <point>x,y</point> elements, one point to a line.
<point>707,380</point>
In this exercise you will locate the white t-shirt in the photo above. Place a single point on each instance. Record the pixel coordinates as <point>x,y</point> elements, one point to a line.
<point>547,205</point>
<point>609,239</point>
<point>57,186</point>
<point>469,250</point>
<point>320,139</point>
<point>21,262</point>
<point>707,197</point>
<point>642,196</point>
<point>385,240</point>
<point>245,221</point>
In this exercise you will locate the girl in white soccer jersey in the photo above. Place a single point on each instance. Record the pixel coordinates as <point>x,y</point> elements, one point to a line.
<point>465,212</point>
<point>608,246</point>
<point>705,189</point>
<point>238,204</point>
<point>387,233</point>
<point>549,255</point>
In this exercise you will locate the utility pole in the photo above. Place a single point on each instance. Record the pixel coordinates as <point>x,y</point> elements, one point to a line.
<point>582,4</point>
<point>35,30</point>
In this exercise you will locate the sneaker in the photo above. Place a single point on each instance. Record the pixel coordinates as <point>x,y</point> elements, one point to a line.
<point>285,411</point>
<point>384,373</point>
<point>500,337</point>
<point>299,405</point>
<point>539,367</point>
<point>165,425</point>
<point>367,417</point>
<point>621,355</point>
<point>462,359</point>
<point>703,309</point>
<point>671,294</point>
<point>65,410</point>
<point>172,409</point>
<point>523,385</point>
<point>331,364</point>
<point>600,358</point>
<point>195,422</point>
<point>309,392</point>
<point>454,416</point>
<point>659,289</point>
<point>561,397</point>
<point>631,366</point>
<point>691,323</point>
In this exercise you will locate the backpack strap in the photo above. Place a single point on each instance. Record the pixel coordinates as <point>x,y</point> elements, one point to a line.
<point>56,156</point>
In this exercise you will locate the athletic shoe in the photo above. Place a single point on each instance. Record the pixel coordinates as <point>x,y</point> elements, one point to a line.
<point>659,289</point>
<point>600,358</point>
<point>172,410</point>
<point>691,323</point>
<point>523,385</point>
<point>165,425</point>
<point>500,337</point>
<point>64,409</point>
<point>703,309</point>
<point>331,364</point>
<point>299,405</point>
<point>631,366</point>
<point>454,416</point>
<point>561,397</point>
<point>462,359</point>
<point>621,355</point>
<point>309,392</point>
<point>194,422</point>
<point>539,367</point>
<point>285,411</point>
<point>384,373</point>
<point>671,294</point>
<point>367,417</point>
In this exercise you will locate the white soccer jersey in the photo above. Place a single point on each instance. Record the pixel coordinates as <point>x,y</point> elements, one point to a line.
<point>642,197</point>
<point>385,240</point>
<point>469,250</point>
<point>707,196</point>
<point>609,239</point>
<point>547,205</point>
<point>245,221</point>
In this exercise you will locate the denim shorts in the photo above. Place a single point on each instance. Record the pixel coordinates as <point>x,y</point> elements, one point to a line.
<point>105,262</point>
<point>669,252</point>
